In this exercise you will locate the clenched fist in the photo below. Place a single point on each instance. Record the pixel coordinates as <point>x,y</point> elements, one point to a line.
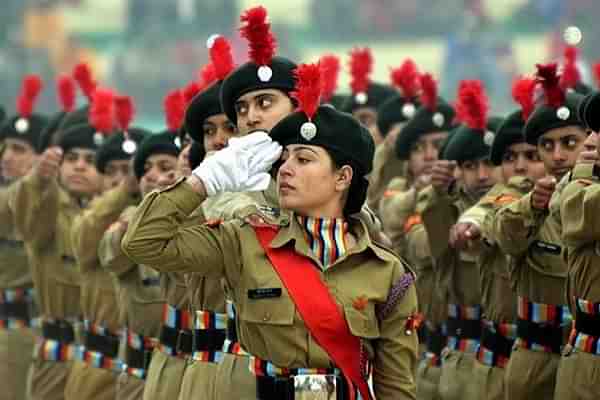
<point>442,175</point>
<point>542,192</point>
<point>49,163</point>
<point>588,157</point>
<point>463,234</point>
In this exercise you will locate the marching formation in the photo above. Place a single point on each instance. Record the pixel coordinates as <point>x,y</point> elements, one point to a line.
<point>280,240</point>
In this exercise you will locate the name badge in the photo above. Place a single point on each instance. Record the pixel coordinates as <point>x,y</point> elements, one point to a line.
<point>547,247</point>
<point>264,293</point>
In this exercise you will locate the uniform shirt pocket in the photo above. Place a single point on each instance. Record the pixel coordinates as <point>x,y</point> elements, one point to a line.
<point>362,323</point>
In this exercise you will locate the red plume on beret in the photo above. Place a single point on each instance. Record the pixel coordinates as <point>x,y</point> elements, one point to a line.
<point>596,71</point>
<point>190,91</point>
<point>330,70</point>
<point>406,78</point>
<point>221,57</point>
<point>472,105</point>
<point>102,110</point>
<point>570,74</point>
<point>361,66</point>
<point>548,77</point>
<point>30,90</point>
<point>65,87</point>
<point>308,88</point>
<point>429,92</point>
<point>523,90</point>
<point>257,31</point>
<point>82,74</point>
<point>125,110</point>
<point>207,75</point>
<point>174,104</point>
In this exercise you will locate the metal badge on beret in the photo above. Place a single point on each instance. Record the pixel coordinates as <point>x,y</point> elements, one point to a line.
<point>563,113</point>
<point>177,142</point>
<point>265,73</point>
<point>22,125</point>
<point>308,131</point>
<point>438,119</point>
<point>98,138</point>
<point>408,110</point>
<point>488,138</point>
<point>361,98</point>
<point>129,146</point>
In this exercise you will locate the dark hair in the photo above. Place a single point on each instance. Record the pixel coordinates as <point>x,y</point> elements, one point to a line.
<point>357,193</point>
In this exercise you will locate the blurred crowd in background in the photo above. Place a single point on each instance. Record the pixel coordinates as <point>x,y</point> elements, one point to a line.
<point>146,47</point>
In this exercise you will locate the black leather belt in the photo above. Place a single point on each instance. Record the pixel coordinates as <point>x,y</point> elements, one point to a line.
<point>209,339</point>
<point>285,388</point>
<point>587,324</point>
<point>542,334</point>
<point>108,345</point>
<point>17,310</point>
<point>180,340</point>
<point>138,359</point>
<point>496,343</point>
<point>435,341</point>
<point>464,328</point>
<point>59,330</point>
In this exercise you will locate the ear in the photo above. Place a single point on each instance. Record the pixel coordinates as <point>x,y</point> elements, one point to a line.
<point>343,178</point>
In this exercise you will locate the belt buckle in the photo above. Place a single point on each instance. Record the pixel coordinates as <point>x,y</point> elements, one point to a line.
<point>315,387</point>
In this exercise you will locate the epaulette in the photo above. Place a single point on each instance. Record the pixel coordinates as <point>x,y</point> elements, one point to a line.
<point>261,215</point>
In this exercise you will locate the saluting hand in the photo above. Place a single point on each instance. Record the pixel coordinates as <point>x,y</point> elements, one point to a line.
<point>542,192</point>
<point>442,175</point>
<point>49,164</point>
<point>463,234</point>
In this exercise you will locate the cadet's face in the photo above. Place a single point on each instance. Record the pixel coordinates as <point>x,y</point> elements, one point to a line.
<point>262,109</point>
<point>159,172</point>
<point>424,153</point>
<point>78,174</point>
<point>478,176</point>
<point>217,132</point>
<point>559,149</point>
<point>309,183</point>
<point>522,159</point>
<point>368,117</point>
<point>114,172</point>
<point>16,159</point>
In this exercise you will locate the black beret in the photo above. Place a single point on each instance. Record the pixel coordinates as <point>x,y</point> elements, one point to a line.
<point>196,154</point>
<point>425,121</point>
<point>509,133</point>
<point>338,100</point>
<point>47,137</point>
<point>395,109</point>
<point>27,129</point>
<point>204,105</point>
<point>113,149</point>
<point>245,79</point>
<point>545,118</point>
<point>339,133</point>
<point>377,94</point>
<point>83,136</point>
<point>160,143</point>
<point>471,144</point>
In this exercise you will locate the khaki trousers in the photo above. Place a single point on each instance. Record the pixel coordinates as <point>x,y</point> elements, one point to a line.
<point>456,379</point>
<point>234,379</point>
<point>490,381</point>
<point>199,380</point>
<point>578,377</point>
<point>86,382</point>
<point>47,379</point>
<point>164,378</point>
<point>16,349</point>
<point>428,381</point>
<point>129,387</point>
<point>530,375</point>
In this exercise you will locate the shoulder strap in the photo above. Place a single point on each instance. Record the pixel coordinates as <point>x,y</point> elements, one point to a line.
<point>308,292</point>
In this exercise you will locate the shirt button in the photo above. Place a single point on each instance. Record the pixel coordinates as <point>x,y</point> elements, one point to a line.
<point>266,317</point>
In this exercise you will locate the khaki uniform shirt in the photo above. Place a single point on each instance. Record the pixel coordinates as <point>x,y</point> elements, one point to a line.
<point>271,329</point>
<point>98,292</point>
<point>397,205</point>
<point>385,168</point>
<point>44,218</point>
<point>458,277</point>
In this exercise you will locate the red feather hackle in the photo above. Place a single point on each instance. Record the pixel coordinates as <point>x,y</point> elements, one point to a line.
<point>174,105</point>
<point>207,75</point>
<point>548,77</point>
<point>256,29</point>
<point>406,78</point>
<point>221,57</point>
<point>82,73</point>
<point>570,73</point>
<point>125,110</point>
<point>596,72</point>
<point>523,93</point>
<point>361,66</point>
<point>30,90</point>
<point>190,91</point>
<point>102,110</point>
<point>330,71</point>
<point>472,106</point>
<point>308,88</point>
<point>429,91</point>
<point>65,87</point>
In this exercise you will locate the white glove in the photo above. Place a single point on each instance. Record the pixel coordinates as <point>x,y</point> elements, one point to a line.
<point>243,166</point>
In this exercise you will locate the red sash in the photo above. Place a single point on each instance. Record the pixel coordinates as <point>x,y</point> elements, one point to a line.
<point>327,325</point>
